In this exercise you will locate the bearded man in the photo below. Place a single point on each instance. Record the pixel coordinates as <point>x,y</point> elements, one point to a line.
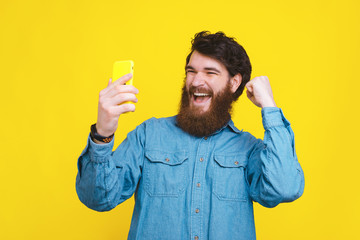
<point>194,175</point>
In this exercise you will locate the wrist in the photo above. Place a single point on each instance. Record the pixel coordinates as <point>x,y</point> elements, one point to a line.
<point>97,141</point>
<point>98,137</point>
<point>101,131</point>
<point>269,104</point>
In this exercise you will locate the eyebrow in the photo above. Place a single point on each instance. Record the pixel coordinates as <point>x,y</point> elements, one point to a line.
<point>212,69</point>
<point>207,68</point>
<point>188,67</point>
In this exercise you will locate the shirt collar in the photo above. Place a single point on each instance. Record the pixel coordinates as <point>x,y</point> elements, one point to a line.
<point>231,125</point>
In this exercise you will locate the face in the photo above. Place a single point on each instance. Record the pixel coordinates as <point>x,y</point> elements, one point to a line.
<point>207,96</point>
<point>205,78</point>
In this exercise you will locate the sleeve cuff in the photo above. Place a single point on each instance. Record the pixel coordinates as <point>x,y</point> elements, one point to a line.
<point>273,117</point>
<point>99,152</point>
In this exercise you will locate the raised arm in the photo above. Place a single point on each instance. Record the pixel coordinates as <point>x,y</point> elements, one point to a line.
<point>273,171</point>
<point>106,178</point>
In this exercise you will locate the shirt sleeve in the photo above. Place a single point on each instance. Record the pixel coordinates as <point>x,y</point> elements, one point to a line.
<point>273,171</point>
<point>105,178</point>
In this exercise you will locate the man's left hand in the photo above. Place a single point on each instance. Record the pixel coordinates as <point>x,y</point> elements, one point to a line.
<point>259,92</point>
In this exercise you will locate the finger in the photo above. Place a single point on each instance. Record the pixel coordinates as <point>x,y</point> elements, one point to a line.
<point>120,81</point>
<point>124,97</point>
<point>123,108</point>
<point>119,89</point>
<point>249,95</point>
<point>249,87</point>
<point>105,90</point>
<point>123,79</point>
<point>249,83</point>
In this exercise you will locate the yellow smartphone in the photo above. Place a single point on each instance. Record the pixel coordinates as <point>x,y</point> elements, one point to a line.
<point>122,68</point>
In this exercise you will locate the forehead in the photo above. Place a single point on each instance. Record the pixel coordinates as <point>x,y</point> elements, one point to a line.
<point>200,61</point>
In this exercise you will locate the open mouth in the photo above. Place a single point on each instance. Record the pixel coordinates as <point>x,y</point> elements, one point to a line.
<point>201,97</point>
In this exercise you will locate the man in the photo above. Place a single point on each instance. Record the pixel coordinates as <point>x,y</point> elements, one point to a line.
<point>194,175</point>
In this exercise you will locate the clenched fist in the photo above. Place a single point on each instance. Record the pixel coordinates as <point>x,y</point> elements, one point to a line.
<point>259,92</point>
<point>112,104</point>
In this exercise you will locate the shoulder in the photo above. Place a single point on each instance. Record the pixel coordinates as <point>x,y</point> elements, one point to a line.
<point>160,125</point>
<point>153,128</point>
<point>248,141</point>
<point>160,122</point>
<point>248,136</point>
<point>243,135</point>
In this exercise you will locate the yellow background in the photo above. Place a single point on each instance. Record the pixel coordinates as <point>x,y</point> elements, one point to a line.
<point>56,56</point>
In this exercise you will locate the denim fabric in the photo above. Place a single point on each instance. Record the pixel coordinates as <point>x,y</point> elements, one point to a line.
<point>193,188</point>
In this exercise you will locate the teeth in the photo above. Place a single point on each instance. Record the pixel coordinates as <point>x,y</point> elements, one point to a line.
<point>200,94</point>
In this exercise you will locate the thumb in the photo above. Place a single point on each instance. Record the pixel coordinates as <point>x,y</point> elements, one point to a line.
<point>110,80</point>
<point>249,88</point>
<point>249,94</point>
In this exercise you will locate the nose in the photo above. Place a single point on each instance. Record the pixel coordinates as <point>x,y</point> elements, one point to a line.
<point>198,80</point>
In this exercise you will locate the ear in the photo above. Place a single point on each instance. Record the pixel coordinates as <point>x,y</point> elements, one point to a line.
<point>235,82</point>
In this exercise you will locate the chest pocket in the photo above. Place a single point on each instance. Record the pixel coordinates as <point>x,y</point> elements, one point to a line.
<point>164,173</point>
<point>230,180</point>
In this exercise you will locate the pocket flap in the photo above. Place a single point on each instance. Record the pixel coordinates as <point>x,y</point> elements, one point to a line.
<point>231,160</point>
<point>168,158</point>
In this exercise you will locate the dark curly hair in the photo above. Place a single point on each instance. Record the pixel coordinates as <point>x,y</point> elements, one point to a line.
<point>227,51</point>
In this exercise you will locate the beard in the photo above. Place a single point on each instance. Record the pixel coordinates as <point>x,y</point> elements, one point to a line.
<point>195,122</point>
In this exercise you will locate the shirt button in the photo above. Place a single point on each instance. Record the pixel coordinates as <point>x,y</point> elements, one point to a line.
<point>198,184</point>
<point>236,162</point>
<point>205,138</point>
<point>197,210</point>
<point>196,238</point>
<point>167,159</point>
<point>201,159</point>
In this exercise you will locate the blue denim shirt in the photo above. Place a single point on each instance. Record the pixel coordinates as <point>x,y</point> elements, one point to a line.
<point>188,187</point>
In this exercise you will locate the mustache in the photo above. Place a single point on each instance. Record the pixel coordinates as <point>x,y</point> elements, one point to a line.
<point>193,89</point>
